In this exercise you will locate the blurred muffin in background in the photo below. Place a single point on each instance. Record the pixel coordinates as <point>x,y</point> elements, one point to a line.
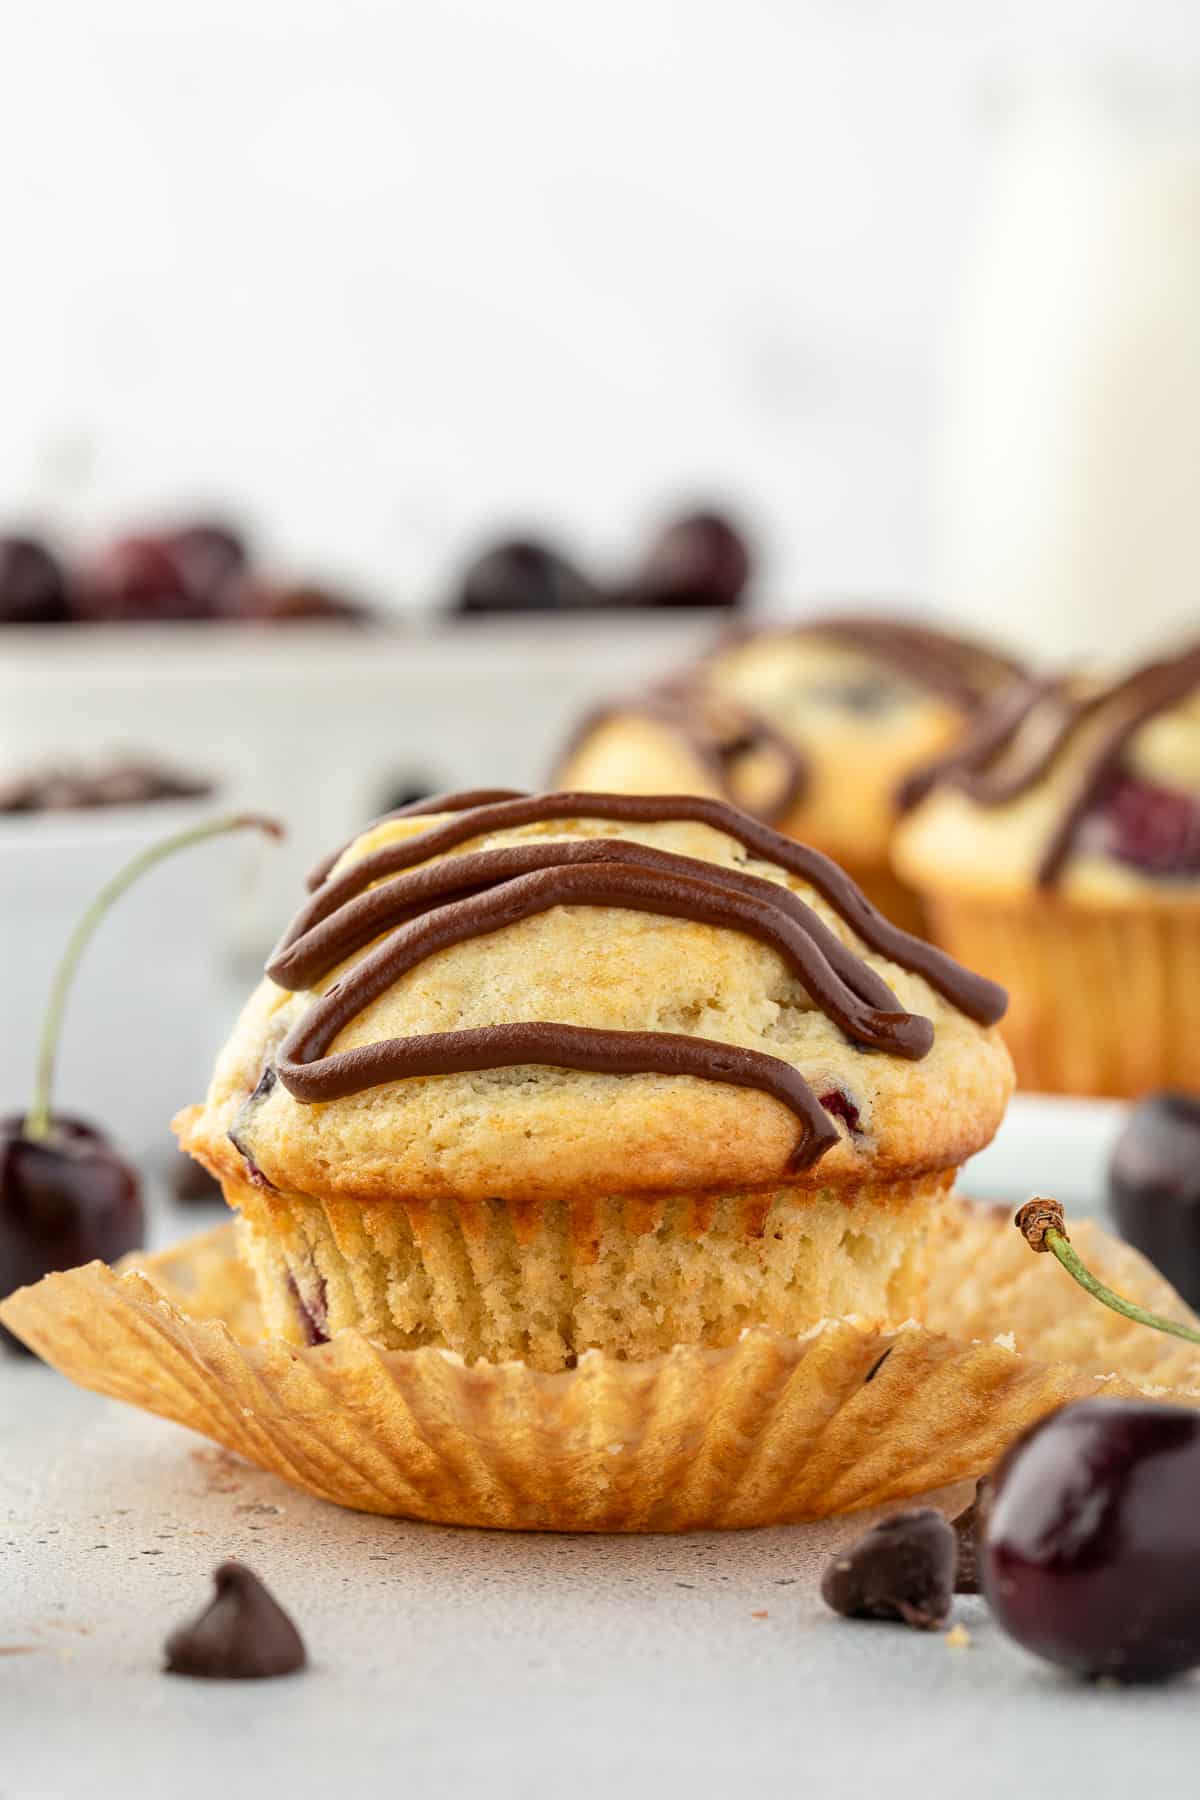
<point>1059,849</point>
<point>816,728</point>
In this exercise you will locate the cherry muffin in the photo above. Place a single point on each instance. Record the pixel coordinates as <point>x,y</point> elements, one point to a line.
<point>814,728</point>
<point>1059,849</point>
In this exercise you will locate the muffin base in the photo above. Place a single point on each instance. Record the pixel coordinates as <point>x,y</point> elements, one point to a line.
<point>1102,1000</point>
<point>771,1430</point>
<point>543,1284</point>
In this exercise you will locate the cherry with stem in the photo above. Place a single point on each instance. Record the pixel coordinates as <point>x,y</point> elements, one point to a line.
<point>1043,1226</point>
<point>66,1195</point>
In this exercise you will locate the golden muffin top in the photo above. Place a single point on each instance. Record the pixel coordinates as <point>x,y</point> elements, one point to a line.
<point>813,727</point>
<point>1069,785</point>
<point>556,994</point>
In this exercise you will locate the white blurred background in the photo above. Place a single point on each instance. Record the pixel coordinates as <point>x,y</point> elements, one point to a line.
<point>382,277</point>
<point>913,291</point>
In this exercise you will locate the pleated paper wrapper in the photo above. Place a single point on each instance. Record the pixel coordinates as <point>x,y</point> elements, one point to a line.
<point>1060,964</point>
<point>770,1430</point>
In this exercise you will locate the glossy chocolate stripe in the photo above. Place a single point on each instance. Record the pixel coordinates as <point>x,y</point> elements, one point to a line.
<point>417,906</point>
<point>312,1076</point>
<point>1154,689</point>
<point>968,760</point>
<point>621,884</point>
<point>1123,707</point>
<point>973,994</point>
<point>684,709</point>
<point>960,670</point>
<point>432,803</point>
<point>321,935</point>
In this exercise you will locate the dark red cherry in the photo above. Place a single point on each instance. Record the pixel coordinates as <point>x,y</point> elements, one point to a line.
<point>700,559</point>
<point>1090,1554</point>
<point>210,557</point>
<point>190,1182</point>
<point>134,579</point>
<point>523,576</point>
<point>33,590</point>
<point>1153,828</point>
<point>1154,1186</point>
<point>65,1199</point>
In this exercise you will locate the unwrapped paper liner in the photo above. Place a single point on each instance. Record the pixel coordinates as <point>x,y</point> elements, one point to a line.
<point>770,1430</point>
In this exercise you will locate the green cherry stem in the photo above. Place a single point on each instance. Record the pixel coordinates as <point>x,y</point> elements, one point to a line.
<point>37,1120</point>
<point>1043,1226</point>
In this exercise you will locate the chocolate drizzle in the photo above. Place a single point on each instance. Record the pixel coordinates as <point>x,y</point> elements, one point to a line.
<point>719,730</point>
<point>421,907</point>
<point>959,670</point>
<point>992,768</point>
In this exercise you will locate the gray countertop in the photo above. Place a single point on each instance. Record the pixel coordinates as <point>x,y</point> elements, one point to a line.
<point>462,1663</point>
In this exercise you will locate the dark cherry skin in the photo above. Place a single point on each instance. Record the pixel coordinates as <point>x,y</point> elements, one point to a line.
<point>1090,1549</point>
<point>66,1199</point>
<point>191,1183</point>
<point>1154,1186</point>
<point>522,575</point>
<point>209,557</point>
<point>33,589</point>
<point>1153,828</point>
<point>700,559</point>
<point>137,579</point>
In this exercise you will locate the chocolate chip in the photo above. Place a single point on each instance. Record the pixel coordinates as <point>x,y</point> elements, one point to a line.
<point>903,1569</point>
<point>966,1530</point>
<point>244,1635</point>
